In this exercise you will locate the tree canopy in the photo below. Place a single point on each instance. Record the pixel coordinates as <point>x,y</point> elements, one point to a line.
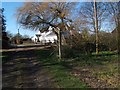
<point>38,16</point>
<point>61,16</point>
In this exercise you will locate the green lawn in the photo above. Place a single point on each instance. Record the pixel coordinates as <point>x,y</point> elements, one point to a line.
<point>61,73</point>
<point>104,67</point>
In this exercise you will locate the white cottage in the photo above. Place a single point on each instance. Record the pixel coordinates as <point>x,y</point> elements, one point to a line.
<point>45,37</point>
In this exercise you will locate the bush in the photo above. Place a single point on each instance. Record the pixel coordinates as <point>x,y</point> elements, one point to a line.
<point>68,52</point>
<point>89,47</point>
<point>5,44</point>
<point>103,47</point>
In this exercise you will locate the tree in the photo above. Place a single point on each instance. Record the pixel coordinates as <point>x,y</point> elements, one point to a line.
<point>2,21</point>
<point>26,36</point>
<point>87,15</point>
<point>9,34</point>
<point>96,24</point>
<point>119,27</point>
<point>114,11</point>
<point>107,39</point>
<point>4,39</point>
<point>39,16</point>
<point>85,34</point>
<point>93,14</point>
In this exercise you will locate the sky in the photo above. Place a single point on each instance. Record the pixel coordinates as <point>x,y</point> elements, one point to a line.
<point>12,26</point>
<point>10,9</point>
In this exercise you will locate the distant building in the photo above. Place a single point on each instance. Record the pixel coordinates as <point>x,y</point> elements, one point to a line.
<point>45,37</point>
<point>51,37</point>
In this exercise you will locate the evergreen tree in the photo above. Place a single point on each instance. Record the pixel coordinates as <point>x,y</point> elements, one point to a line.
<point>2,21</point>
<point>3,34</point>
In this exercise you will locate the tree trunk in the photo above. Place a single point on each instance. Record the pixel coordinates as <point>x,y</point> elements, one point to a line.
<point>118,36</point>
<point>59,44</point>
<point>96,25</point>
<point>119,28</point>
<point>60,38</point>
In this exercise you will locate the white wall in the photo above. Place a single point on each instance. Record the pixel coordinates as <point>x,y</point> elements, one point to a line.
<point>46,37</point>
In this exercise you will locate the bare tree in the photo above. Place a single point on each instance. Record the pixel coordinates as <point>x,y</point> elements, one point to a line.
<point>93,14</point>
<point>114,10</point>
<point>96,24</point>
<point>39,16</point>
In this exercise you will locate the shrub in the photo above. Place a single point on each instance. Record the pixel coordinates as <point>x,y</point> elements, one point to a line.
<point>68,52</point>
<point>5,44</point>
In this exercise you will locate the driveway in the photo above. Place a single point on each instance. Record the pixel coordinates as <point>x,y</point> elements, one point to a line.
<point>22,70</point>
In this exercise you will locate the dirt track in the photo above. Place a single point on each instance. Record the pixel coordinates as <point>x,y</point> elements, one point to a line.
<point>22,70</point>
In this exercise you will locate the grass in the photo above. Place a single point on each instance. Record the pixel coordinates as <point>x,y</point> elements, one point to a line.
<point>103,66</point>
<point>104,53</point>
<point>2,56</point>
<point>63,79</point>
<point>6,56</point>
<point>61,73</point>
<point>4,59</point>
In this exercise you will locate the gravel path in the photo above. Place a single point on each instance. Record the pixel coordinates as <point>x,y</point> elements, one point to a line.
<point>22,70</point>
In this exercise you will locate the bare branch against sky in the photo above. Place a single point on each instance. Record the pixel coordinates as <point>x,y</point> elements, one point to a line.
<point>59,0</point>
